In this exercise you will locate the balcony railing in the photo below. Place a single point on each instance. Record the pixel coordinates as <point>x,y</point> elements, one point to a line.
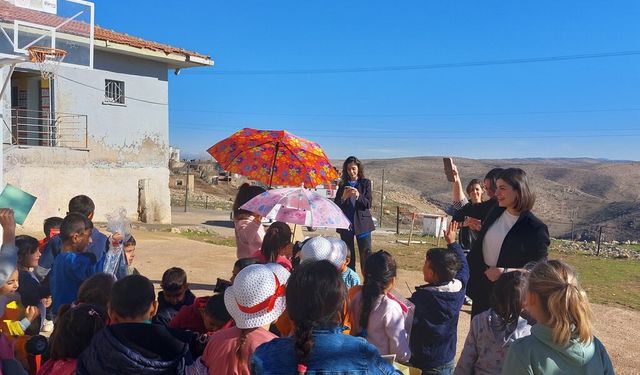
<point>50,129</point>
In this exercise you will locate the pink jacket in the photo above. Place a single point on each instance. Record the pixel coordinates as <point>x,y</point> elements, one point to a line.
<point>386,329</point>
<point>249,235</point>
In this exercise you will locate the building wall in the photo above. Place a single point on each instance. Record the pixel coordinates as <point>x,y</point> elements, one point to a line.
<point>126,143</point>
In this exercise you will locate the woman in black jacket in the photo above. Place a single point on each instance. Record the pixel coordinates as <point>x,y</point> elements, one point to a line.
<point>511,236</point>
<point>354,198</point>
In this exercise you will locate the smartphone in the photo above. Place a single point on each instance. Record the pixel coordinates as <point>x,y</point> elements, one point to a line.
<point>448,168</point>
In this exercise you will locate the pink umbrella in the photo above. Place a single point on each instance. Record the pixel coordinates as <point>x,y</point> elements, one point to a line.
<point>298,206</point>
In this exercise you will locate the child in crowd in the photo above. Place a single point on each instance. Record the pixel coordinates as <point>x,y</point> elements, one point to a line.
<point>248,227</point>
<point>255,300</point>
<point>494,330</point>
<point>31,292</point>
<point>130,345</point>
<point>98,245</point>
<point>241,264</point>
<point>175,294</point>
<point>51,229</point>
<point>315,298</point>
<point>375,314</point>
<point>276,246</point>
<point>562,342</point>
<point>73,333</point>
<point>130,254</point>
<point>342,257</point>
<point>8,283</point>
<point>74,264</point>
<point>94,291</point>
<point>438,304</point>
<point>205,315</point>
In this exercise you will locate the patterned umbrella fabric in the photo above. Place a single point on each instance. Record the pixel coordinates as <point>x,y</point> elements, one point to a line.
<point>274,157</point>
<point>298,206</point>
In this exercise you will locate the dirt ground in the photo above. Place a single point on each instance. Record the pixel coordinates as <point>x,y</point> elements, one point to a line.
<point>617,328</point>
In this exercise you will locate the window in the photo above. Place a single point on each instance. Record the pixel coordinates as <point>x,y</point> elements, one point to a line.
<point>113,91</point>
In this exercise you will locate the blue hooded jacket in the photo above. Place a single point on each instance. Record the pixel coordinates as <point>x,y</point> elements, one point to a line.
<point>134,348</point>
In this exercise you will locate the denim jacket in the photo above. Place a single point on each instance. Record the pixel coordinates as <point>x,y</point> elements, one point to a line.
<point>333,352</point>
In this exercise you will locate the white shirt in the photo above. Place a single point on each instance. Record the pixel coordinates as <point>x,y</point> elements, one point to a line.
<point>494,237</point>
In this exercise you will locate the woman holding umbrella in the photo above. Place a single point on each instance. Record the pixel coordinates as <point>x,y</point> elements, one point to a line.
<point>354,198</point>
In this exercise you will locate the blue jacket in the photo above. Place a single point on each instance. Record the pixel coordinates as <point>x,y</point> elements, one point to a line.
<point>332,352</point>
<point>133,348</point>
<point>68,272</point>
<point>435,321</point>
<point>99,245</point>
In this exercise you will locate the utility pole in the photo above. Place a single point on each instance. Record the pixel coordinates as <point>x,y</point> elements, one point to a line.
<point>599,240</point>
<point>381,201</point>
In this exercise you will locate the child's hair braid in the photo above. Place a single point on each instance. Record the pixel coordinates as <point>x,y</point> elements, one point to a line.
<point>507,295</point>
<point>380,270</point>
<point>241,340</point>
<point>303,344</point>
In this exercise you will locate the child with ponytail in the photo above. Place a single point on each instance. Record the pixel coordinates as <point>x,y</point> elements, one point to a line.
<point>562,341</point>
<point>255,300</point>
<point>375,314</point>
<point>276,246</point>
<point>315,300</point>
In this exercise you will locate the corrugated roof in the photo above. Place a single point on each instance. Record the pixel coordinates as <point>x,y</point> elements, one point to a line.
<point>11,12</point>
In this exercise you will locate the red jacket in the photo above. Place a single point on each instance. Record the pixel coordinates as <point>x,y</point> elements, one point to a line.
<point>190,317</point>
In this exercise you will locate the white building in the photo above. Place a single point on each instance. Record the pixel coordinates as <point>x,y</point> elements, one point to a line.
<point>102,132</point>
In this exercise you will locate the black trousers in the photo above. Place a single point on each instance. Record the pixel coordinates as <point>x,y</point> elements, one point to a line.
<point>364,248</point>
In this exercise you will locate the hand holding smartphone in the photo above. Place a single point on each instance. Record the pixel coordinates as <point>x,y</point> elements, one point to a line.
<point>448,169</point>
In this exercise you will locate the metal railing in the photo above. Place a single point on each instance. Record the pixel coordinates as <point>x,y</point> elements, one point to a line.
<point>50,129</point>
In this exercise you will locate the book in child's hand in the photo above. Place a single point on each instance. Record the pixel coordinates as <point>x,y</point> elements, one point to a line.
<point>20,201</point>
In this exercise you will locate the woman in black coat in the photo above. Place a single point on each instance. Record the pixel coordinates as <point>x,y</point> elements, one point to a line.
<point>511,236</point>
<point>354,198</point>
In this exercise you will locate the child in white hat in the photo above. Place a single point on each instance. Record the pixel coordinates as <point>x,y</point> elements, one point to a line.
<point>255,300</point>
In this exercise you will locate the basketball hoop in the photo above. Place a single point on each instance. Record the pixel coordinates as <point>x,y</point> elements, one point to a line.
<point>47,59</point>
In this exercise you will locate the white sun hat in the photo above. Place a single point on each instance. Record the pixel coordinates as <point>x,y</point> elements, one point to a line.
<point>340,251</point>
<point>316,248</point>
<point>257,296</point>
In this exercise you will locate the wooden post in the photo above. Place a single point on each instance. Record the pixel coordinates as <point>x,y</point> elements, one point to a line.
<point>599,240</point>
<point>381,201</point>
<point>186,191</point>
<point>413,220</point>
<point>206,202</point>
<point>397,219</point>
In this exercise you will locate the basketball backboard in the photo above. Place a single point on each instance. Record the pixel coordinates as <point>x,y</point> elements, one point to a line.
<point>61,24</point>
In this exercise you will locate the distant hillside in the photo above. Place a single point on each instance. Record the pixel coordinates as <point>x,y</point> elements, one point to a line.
<point>595,192</point>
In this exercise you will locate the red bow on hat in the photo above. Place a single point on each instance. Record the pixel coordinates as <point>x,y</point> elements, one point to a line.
<point>268,303</point>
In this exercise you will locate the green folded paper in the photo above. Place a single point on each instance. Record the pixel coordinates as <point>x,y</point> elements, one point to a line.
<point>20,201</point>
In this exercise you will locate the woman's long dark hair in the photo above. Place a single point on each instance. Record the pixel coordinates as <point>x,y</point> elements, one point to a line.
<point>345,165</point>
<point>245,193</point>
<point>315,299</point>
<point>379,272</point>
<point>278,235</point>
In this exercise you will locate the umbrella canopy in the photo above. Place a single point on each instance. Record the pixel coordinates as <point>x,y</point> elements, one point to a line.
<point>298,206</point>
<point>274,157</point>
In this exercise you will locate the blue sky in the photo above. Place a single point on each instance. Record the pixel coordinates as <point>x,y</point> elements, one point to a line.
<point>572,108</point>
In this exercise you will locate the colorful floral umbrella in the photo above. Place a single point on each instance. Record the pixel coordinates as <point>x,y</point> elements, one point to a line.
<point>274,157</point>
<point>298,206</point>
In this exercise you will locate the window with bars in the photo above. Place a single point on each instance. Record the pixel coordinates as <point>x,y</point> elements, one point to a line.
<point>113,91</point>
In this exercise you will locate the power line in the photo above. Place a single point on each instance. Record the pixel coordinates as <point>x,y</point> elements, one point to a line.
<point>392,68</point>
<point>101,89</point>
<point>460,114</point>
<point>204,126</point>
